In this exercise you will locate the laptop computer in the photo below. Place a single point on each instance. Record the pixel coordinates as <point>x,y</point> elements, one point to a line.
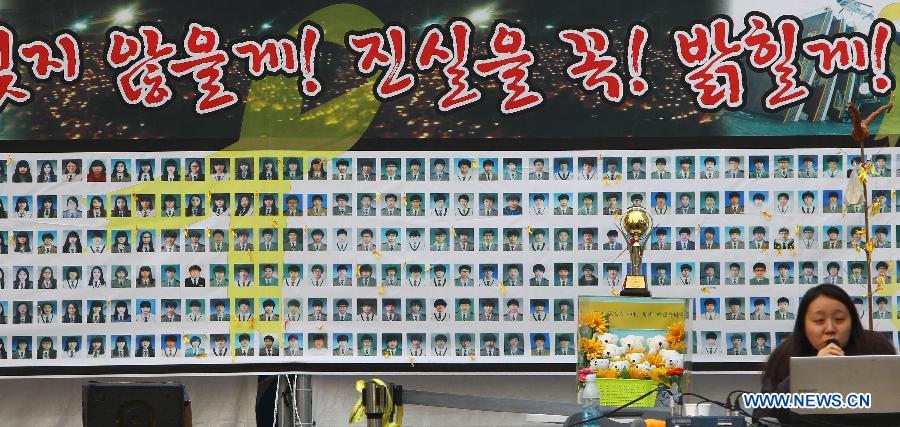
<point>875,374</point>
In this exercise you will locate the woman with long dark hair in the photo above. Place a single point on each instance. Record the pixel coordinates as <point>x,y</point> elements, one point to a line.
<point>23,172</point>
<point>120,209</point>
<point>73,243</point>
<point>121,348</point>
<point>22,210</point>
<point>72,170</point>
<point>97,172</point>
<point>97,280</point>
<point>826,313</point>
<point>97,208</point>
<point>23,243</point>
<point>47,174</point>
<point>120,172</point>
<point>73,313</point>
<point>46,280</point>
<point>3,213</point>
<point>23,279</point>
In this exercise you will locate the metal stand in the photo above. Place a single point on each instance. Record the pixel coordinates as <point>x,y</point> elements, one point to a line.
<point>295,401</point>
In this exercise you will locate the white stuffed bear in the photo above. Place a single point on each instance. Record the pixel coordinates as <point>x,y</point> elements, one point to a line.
<point>632,342</point>
<point>657,343</point>
<point>634,358</point>
<point>599,364</point>
<point>672,358</point>
<point>609,338</point>
<point>619,365</point>
<point>644,366</point>
<point>612,351</point>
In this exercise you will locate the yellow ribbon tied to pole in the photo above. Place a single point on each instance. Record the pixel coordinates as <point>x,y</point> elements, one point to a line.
<point>358,413</point>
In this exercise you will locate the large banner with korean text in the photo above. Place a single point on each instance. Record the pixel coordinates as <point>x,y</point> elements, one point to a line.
<point>418,257</point>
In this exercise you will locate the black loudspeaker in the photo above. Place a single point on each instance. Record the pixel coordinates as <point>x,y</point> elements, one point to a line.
<point>133,405</point>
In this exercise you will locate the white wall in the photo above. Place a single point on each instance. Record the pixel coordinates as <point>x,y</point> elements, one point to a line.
<point>229,401</point>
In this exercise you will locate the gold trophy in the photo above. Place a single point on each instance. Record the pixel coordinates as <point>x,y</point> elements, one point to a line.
<point>635,224</point>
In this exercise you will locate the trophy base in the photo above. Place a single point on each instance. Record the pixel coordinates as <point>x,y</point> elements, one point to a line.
<point>635,286</point>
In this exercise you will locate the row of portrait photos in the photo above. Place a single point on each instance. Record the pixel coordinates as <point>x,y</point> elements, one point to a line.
<point>440,239</point>
<point>436,169</point>
<point>413,275</point>
<point>730,202</point>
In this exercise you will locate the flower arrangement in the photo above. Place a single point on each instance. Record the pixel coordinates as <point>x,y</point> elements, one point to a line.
<point>659,358</point>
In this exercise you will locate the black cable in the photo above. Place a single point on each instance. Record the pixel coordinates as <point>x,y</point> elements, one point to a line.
<point>657,389</point>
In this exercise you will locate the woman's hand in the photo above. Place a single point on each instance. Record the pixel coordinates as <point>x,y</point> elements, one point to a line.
<point>831,350</point>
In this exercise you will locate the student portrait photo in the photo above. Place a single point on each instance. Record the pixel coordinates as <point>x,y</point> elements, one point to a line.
<point>563,274</point>
<point>760,345</point>
<point>415,169</point>
<point>710,168</point>
<point>537,203</point>
<point>659,239</point>
<point>464,310</point>
<point>367,309</point>
<point>662,274</point>
<point>710,342</point>
<point>735,167</point>
<point>244,344</point>
<point>440,313</point>
<point>317,170</point>
<point>267,205</point>
<point>487,275</point>
<point>512,275</point>
<point>539,170</point>
<point>293,344</point>
<point>759,167</point>
<point>463,170</point>
<point>588,275</point>
<point>194,205</point>
<point>145,346</point>
<point>221,310</point>
<point>316,310</point>
<point>293,310</point>
<point>710,238</point>
<point>463,240</point>
<point>783,167</point>
<point>564,345</point>
<point>736,344</point>
<point>540,346</point>
<point>707,309</point>
<point>171,170</point>
<point>489,169</point>
<point>366,204</point>
<point>196,347</point>
<point>488,312</point>
<point>415,310</point>
<point>807,166</point>
<point>734,274</point>
<point>563,169</point>
<point>317,205</point>
<point>22,348</point>
<point>759,274</point>
<point>71,171</point>
<point>538,276</point>
<point>562,206</point>
<point>342,344</point>
<point>563,310</point>
<point>832,166</point>
<point>269,346</point>
<point>685,273</point>
<point>612,167</point>
<point>784,273</point>
<point>761,310</point>
<point>243,310</point>
<point>513,313</point>
<point>489,345</point>
<point>367,345</point>
<point>439,204</point>
<point>539,309</point>
<point>514,344</point>
<point>71,349</point>
<point>464,346</point>
<point>342,169</point>
<point>735,309</point>
<point>439,170</point>
<point>512,170</point>
<point>194,170</point>
<point>220,168</point>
